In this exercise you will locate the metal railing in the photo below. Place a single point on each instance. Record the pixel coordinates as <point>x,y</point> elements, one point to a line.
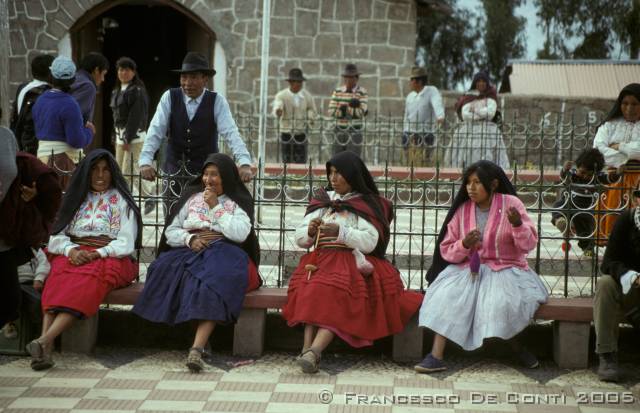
<point>421,198</point>
<point>532,141</point>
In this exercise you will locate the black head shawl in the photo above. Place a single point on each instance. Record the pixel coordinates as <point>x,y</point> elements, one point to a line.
<point>632,89</point>
<point>233,187</point>
<point>80,185</point>
<point>487,171</point>
<point>370,205</point>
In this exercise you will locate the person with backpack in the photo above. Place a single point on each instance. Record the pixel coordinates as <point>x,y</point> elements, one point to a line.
<point>26,95</point>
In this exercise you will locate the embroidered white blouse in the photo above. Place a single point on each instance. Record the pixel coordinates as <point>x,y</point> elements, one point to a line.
<point>483,109</point>
<point>618,130</point>
<point>226,218</point>
<point>101,213</point>
<point>355,232</point>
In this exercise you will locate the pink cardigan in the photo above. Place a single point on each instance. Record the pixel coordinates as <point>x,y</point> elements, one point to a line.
<point>503,246</point>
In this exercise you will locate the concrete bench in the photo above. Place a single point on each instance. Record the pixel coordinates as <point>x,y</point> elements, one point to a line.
<point>571,316</point>
<point>249,331</point>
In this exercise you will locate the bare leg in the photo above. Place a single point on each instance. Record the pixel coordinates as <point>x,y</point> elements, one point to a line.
<point>310,332</point>
<point>439,342</point>
<point>47,320</point>
<point>60,322</point>
<point>203,332</point>
<point>322,340</point>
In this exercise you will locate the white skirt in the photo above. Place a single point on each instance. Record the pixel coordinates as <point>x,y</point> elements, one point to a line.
<point>494,304</point>
<point>475,141</point>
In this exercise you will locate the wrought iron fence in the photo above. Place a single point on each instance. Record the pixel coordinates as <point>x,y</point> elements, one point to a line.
<point>421,199</point>
<point>532,141</point>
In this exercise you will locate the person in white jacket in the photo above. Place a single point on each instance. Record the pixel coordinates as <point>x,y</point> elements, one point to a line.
<point>618,138</point>
<point>478,137</point>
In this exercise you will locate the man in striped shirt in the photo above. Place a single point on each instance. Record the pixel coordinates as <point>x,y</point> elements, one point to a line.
<point>348,106</point>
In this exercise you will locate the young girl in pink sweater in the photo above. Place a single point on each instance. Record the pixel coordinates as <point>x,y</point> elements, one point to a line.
<point>480,284</point>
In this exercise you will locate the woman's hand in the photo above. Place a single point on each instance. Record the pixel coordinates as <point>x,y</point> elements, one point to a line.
<point>79,257</point>
<point>330,230</point>
<point>312,230</point>
<point>210,197</point>
<point>37,285</point>
<point>514,217</point>
<point>472,239</point>
<point>615,146</point>
<point>27,193</point>
<point>197,244</point>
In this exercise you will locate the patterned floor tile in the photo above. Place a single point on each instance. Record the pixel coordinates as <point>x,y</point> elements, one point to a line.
<point>77,374</point>
<point>422,382</point>
<point>179,375</point>
<point>33,410</point>
<point>173,406</point>
<point>303,388</point>
<point>179,395</point>
<point>101,404</point>
<point>307,379</point>
<point>255,378</point>
<point>365,380</point>
<point>480,386</point>
<point>360,409</point>
<point>43,403</point>
<point>540,408</point>
<point>131,384</point>
<point>245,386</point>
<point>296,408</point>
<point>186,385</point>
<point>234,406</point>
<point>65,382</point>
<point>226,396</point>
<point>5,401</point>
<point>11,392</point>
<point>17,381</point>
<point>468,407</point>
<point>66,392</point>
<point>117,394</point>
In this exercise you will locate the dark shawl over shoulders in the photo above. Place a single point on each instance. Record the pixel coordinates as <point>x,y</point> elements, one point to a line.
<point>233,187</point>
<point>29,224</point>
<point>80,185</point>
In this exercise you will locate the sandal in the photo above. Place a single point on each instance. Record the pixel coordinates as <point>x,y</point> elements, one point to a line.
<point>42,358</point>
<point>308,361</point>
<point>194,359</point>
<point>35,349</point>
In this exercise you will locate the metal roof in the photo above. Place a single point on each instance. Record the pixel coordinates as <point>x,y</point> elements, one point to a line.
<point>570,78</point>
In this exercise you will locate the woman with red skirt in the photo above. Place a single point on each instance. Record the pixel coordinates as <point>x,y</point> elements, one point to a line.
<point>97,230</point>
<point>345,287</point>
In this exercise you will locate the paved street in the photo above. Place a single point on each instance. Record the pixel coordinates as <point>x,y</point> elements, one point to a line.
<point>129,380</point>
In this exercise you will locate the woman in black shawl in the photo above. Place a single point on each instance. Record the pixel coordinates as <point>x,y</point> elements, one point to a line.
<point>97,230</point>
<point>345,286</point>
<point>480,284</point>
<point>208,256</point>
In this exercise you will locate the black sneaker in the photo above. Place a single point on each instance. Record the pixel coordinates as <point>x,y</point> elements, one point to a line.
<point>430,364</point>
<point>608,367</point>
<point>527,359</point>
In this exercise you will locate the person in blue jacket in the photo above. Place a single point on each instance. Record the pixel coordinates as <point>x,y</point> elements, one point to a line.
<point>60,128</point>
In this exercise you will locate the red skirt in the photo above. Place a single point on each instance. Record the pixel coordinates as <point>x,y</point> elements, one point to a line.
<point>82,288</point>
<point>340,298</point>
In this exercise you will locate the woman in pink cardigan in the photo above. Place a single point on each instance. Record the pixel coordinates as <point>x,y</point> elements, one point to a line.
<point>480,284</point>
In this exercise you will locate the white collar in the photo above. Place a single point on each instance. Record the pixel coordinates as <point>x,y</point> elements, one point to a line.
<point>187,99</point>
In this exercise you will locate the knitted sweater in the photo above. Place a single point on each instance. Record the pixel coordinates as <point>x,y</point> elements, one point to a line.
<point>503,245</point>
<point>57,117</point>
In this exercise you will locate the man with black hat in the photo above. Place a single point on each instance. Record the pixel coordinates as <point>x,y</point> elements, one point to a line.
<point>348,106</point>
<point>295,109</point>
<point>423,114</point>
<point>192,116</point>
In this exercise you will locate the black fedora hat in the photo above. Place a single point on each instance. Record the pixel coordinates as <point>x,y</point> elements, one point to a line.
<point>296,75</point>
<point>195,62</point>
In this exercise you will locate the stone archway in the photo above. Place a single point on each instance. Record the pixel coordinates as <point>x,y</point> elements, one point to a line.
<point>39,26</point>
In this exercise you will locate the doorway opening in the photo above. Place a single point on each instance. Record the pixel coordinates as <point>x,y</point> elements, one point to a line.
<point>155,34</point>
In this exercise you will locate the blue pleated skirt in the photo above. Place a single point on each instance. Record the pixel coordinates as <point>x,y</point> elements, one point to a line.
<point>183,285</point>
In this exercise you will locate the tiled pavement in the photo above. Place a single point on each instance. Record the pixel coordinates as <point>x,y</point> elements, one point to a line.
<point>155,381</point>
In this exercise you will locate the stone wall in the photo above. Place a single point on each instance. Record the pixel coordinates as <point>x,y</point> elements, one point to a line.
<point>319,36</point>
